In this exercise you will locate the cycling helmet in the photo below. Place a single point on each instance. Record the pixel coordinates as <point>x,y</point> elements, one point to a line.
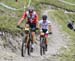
<point>30,9</point>
<point>44,17</point>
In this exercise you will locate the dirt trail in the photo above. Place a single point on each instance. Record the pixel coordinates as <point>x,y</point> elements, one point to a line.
<point>56,41</point>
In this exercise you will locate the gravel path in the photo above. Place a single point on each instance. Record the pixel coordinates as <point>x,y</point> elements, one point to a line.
<point>56,41</point>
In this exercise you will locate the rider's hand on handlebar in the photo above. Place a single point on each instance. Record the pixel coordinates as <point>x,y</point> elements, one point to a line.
<point>37,28</point>
<point>50,33</point>
<point>18,26</point>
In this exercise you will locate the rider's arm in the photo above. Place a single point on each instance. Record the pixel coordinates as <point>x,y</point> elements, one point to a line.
<point>36,19</point>
<point>49,26</point>
<point>39,23</point>
<point>40,27</point>
<point>21,20</point>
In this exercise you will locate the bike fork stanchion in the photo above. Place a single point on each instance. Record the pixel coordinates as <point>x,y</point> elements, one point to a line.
<point>44,50</point>
<point>32,46</point>
<point>28,50</point>
<point>22,50</point>
<point>40,50</point>
<point>42,46</point>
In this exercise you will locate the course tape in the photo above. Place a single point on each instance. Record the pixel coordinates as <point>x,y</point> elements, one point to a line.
<point>15,9</point>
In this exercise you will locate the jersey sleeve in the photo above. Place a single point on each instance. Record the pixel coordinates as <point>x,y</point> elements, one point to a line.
<point>24,15</point>
<point>40,22</point>
<point>36,18</point>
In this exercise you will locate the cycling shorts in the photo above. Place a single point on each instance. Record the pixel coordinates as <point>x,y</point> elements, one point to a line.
<point>45,31</point>
<point>32,26</point>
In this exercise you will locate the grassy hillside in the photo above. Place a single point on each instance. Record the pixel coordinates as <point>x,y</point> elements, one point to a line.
<point>62,19</point>
<point>59,4</point>
<point>20,3</point>
<point>71,1</point>
<point>9,18</point>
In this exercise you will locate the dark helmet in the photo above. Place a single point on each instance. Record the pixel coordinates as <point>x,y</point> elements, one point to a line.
<point>44,17</point>
<point>30,9</point>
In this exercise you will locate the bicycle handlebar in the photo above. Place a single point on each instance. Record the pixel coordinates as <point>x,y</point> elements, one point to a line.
<point>20,27</point>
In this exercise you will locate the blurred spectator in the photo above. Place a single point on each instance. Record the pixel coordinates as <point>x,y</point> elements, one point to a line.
<point>1,33</point>
<point>71,25</point>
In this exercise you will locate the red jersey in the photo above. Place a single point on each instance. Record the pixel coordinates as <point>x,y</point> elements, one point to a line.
<point>31,18</point>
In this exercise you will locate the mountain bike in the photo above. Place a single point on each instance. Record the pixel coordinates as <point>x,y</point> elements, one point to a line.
<point>26,46</point>
<point>42,44</point>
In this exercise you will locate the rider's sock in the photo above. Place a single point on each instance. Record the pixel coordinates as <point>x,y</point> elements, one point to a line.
<point>33,45</point>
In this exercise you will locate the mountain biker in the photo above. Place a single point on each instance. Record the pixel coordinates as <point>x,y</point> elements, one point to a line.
<point>70,25</point>
<point>45,26</point>
<point>32,20</point>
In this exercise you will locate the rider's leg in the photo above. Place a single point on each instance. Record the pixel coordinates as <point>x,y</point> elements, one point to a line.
<point>27,39</point>
<point>33,26</point>
<point>34,37</point>
<point>33,40</point>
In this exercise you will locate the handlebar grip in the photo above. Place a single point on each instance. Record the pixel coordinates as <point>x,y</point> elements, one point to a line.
<point>19,27</point>
<point>50,33</point>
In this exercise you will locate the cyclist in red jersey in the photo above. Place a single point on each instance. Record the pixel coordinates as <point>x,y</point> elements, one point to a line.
<point>32,20</point>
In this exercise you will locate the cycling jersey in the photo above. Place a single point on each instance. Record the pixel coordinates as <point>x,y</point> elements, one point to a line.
<point>44,25</point>
<point>31,18</point>
<point>32,26</point>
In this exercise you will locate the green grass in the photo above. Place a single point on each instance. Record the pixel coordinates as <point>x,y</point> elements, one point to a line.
<point>20,3</point>
<point>9,18</point>
<point>71,1</point>
<point>59,4</point>
<point>62,19</point>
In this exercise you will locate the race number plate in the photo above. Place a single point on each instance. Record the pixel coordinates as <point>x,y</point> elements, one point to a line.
<point>26,28</point>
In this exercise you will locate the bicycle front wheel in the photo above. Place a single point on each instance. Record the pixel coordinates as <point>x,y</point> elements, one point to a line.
<point>23,50</point>
<point>42,46</point>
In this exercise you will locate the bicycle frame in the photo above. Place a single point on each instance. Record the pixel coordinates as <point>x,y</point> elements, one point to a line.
<point>27,31</point>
